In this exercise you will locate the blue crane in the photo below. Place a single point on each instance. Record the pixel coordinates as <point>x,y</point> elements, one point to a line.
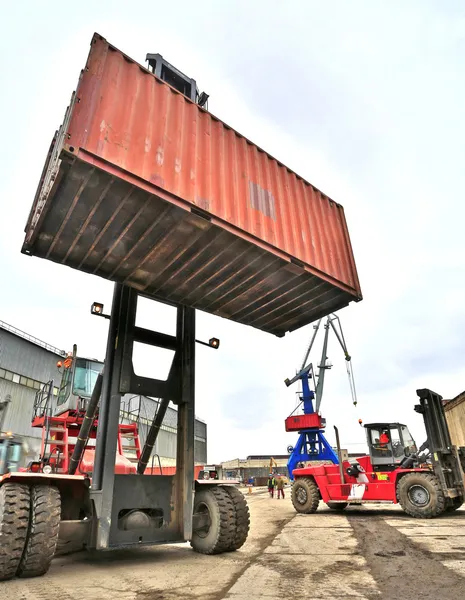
<point>312,444</point>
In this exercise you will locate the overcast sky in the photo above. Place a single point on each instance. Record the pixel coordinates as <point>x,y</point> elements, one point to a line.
<point>364,99</point>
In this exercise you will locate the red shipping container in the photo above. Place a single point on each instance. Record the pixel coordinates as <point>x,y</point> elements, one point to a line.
<point>144,187</point>
<point>299,422</point>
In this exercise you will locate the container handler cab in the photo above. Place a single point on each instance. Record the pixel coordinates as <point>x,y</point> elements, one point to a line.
<point>425,482</point>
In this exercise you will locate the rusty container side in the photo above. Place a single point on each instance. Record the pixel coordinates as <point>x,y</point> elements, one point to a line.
<point>144,187</point>
<point>131,119</point>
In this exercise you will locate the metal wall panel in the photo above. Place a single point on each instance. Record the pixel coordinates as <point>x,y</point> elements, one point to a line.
<point>19,412</point>
<point>135,158</point>
<point>28,359</point>
<point>144,409</point>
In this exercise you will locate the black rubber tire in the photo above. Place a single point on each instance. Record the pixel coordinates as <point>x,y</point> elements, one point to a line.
<point>14,523</point>
<point>436,503</point>
<point>42,538</point>
<point>221,534</point>
<point>305,495</point>
<point>242,515</point>
<point>454,504</point>
<point>340,506</point>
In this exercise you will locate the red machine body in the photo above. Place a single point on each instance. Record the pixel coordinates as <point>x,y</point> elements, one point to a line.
<point>368,486</point>
<point>59,436</point>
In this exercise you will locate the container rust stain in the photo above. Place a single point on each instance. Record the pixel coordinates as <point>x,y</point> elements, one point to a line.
<point>239,230</point>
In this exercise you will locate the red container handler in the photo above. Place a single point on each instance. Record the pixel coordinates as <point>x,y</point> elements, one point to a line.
<point>144,187</point>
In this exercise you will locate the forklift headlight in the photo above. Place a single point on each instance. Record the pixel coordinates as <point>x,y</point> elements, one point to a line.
<point>214,343</point>
<point>96,308</point>
<point>47,469</point>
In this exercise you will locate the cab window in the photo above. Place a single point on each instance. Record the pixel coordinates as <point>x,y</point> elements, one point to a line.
<point>396,442</point>
<point>85,376</point>
<point>65,386</point>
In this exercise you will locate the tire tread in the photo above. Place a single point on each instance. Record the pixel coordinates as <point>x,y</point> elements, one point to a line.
<point>14,523</point>
<point>227,523</point>
<point>313,493</point>
<point>43,531</point>
<point>242,515</point>
<point>418,512</point>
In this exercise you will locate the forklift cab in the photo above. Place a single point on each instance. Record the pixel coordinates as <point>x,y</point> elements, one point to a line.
<point>77,383</point>
<point>389,444</point>
<point>11,454</point>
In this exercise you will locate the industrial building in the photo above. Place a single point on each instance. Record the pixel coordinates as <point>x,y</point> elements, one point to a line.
<point>26,363</point>
<point>258,466</point>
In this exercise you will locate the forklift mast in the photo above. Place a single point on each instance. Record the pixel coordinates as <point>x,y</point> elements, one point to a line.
<point>448,461</point>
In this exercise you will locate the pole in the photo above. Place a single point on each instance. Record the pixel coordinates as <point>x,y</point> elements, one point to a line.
<point>310,346</point>
<point>321,370</point>
<point>339,455</point>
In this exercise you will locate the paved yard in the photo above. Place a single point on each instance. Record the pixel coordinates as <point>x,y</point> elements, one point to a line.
<point>371,553</point>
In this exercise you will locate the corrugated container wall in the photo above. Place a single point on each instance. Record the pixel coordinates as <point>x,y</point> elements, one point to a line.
<point>455,416</point>
<point>144,187</point>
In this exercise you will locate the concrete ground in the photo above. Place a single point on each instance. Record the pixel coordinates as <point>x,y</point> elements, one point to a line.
<point>365,552</point>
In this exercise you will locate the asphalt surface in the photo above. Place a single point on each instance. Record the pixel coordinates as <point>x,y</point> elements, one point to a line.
<point>364,552</point>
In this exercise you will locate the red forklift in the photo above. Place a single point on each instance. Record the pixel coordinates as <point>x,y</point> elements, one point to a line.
<point>83,489</point>
<point>425,482</point>
<point>89,487</point>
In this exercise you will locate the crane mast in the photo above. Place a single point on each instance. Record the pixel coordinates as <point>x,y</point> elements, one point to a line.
<point>312,444</point>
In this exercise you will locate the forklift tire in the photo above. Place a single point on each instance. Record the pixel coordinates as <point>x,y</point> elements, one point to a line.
<point>42,538</point>
<point>14,522</point>
<point>219,535</point>
<point>305,495</point>
<point>242,517</point>
<point>337,505</point>
<point>420,495</point>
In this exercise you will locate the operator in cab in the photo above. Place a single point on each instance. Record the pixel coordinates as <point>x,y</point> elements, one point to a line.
<point>384,438</point>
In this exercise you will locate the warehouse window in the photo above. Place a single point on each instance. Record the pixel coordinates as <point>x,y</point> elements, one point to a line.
<point>15,378</point>
<point>2,373</point>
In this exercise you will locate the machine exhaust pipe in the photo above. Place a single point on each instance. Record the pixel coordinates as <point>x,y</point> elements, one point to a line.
<point>86,426</point>
<point>152,436</point>
<point>339,455</point>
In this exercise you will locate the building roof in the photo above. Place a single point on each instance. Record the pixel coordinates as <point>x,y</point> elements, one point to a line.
<point>267,457</point>
<point>31,338</point>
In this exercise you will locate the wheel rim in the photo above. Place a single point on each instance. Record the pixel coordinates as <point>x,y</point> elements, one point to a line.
<point>203,510</point>
<point>301,495</point>
<point>418,495</point>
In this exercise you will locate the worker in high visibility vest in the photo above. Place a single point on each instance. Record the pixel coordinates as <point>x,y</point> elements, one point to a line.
<point>384,438</point>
